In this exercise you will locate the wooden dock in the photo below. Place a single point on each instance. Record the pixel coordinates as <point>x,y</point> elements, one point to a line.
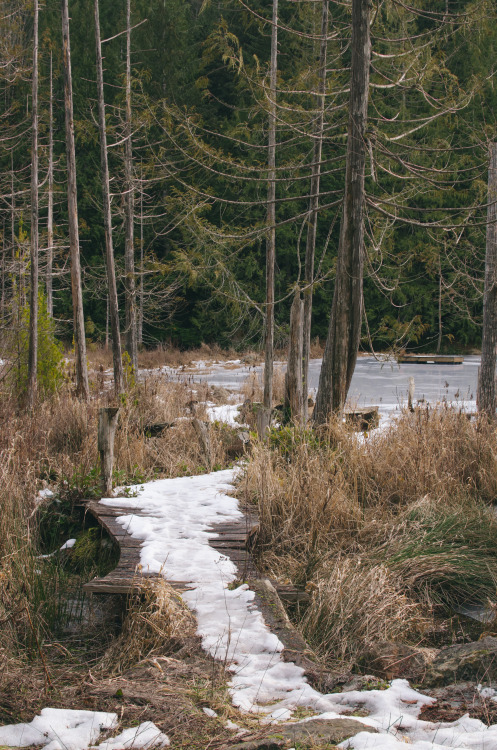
<point>430,359</point>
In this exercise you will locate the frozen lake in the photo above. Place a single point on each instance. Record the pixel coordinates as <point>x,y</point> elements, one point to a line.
<point>379,383</point>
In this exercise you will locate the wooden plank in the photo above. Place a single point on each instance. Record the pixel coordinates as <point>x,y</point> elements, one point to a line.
<point>436,359</point>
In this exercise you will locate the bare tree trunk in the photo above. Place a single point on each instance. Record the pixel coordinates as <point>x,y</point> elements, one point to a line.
<point>439,339</point>
<point>129,253</point>
<point>293,378</point>
<point>13,277</point>
<point>271,237</point>
<point>82,388</point>
<point>310,248</point>
<point>49,270</point>
<point>344,332</point>
<point>33,303</point>
<point>487,401</point>
<point>4,256</point>
<point>107,323</point>
<point>140,310</point>
<point>111,272</point>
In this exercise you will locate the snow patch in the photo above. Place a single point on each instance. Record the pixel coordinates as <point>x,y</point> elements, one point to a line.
<point>59,729</point>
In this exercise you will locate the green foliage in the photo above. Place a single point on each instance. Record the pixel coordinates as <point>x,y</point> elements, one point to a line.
<point>289,438</point>
<point>50,365</point>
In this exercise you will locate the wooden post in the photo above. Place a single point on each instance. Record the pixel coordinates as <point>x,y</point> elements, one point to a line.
<point>263,422</point>
<point>204,437</point>
<point>107,423</point>
<point>410,394</point>
<point>293,378</point>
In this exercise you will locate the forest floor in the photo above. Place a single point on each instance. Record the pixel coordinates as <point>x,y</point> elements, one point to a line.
<point>359,518</point>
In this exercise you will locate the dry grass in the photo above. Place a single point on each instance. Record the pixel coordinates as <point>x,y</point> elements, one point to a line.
<point>356,604</point>
<point>388,533</point>
<point>157,623</point>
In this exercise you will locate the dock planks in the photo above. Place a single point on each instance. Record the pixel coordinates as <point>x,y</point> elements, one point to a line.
<point>430,359</point>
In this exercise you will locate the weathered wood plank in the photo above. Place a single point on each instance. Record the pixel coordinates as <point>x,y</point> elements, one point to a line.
<point>427,359</point>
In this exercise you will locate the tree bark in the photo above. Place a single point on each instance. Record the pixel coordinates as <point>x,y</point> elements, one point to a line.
<point>271,236</point>
<point>310,248</point>
<point>344,331</point>
<point>49,269</point>
<point>129,253</point>
<point>293,378</point>
<point>33,303</point>
<point>486,381</point>
<point>111,272</point>
<point>141,291</point>
<point>82,388</point>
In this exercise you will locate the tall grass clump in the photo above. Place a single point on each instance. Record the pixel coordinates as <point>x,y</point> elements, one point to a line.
<point>388,533</point>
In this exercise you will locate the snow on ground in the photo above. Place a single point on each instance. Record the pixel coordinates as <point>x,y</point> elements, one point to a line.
<point>227,413</point>
<point>178,513</point>
<point>66,729</point>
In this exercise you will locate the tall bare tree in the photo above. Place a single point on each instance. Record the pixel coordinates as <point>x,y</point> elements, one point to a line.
<point>344,331</point>
<point>310,249</point>
<point>33,303</point>
<point>82,387</point>
<point>109,249</point>
<point>487,396</point>
<point>49,268</point>
<point>129,252</point>
<point>271,222</point>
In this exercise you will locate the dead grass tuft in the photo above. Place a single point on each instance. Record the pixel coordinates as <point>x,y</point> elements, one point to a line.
<point>157,623</point>
<point>357,604</point>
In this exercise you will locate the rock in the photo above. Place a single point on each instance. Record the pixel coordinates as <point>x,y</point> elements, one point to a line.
<point>316,732</point>
<point>397,660</point>
<point>156,429</point>
<point>474,662</point>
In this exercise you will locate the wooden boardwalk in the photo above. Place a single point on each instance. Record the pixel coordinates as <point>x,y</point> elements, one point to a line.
<point>232,539</point>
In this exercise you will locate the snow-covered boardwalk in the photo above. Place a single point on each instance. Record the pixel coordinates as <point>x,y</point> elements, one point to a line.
<point>229,537</point>
<point>169,525</point>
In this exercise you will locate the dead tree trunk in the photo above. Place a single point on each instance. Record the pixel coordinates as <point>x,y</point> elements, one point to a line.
<point>33,304</point>
<point>82,388</point>
<point>265,418</point>
<point>129,252</point>
<point>111,272</point>
<point>344,331</point>
<point>49,269</point>
<point>293,378</point>
<point>487,401</point>
<point>141,290</point>
<point>107,423</point>
<point>310,248</point>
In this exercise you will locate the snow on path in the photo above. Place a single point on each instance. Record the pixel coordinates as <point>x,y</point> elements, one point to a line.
<point>67,729</point>
<point>174,531</point>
